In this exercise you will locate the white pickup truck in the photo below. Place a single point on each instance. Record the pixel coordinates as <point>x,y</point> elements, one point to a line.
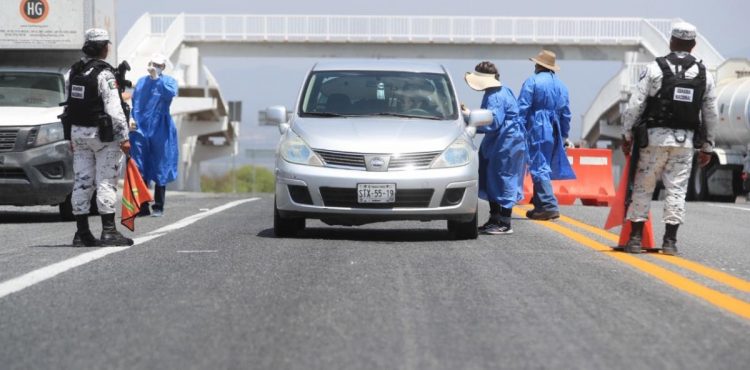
<point>36,163</point>
<point>39,41</point>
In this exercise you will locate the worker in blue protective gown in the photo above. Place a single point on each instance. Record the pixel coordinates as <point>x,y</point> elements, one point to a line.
<point>502,154</point>
<point>154,141</point>
<point>544,110</point>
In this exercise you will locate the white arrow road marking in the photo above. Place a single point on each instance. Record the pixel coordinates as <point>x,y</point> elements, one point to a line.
<point>37,276</point>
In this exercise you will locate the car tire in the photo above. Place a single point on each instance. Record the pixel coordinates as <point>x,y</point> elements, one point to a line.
<point>465,230</point>
<point>286,227</point>
<point>66,209</point>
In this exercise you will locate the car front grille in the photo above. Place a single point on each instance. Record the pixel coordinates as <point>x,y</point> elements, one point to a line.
<point>412,160</point>
<point>8,140</point>
<point>347,197</point>
<point>342,158</point>
<point>406,161</point>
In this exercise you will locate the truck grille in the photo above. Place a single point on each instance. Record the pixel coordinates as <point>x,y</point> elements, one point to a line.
<point>405,161</point>
<point>347,197</point>
<point>8,139</point>
<point>13,174</point>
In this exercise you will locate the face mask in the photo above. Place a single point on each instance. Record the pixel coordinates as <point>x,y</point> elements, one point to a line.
<point>158,70</point>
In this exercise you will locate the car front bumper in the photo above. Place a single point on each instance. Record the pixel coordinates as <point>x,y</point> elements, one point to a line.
<point>424,194</point>
<point>37,176</point>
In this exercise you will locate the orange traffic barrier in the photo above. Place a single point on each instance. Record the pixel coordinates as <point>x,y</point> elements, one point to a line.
<point>617,215</point>
<point>594,184</point>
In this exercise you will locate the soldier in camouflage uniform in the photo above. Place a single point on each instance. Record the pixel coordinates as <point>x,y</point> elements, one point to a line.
<point>669,154</point>
<point>93,98</point>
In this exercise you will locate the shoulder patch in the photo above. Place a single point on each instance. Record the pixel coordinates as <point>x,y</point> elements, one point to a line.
<point>112,84</point>
<point>643,75</point>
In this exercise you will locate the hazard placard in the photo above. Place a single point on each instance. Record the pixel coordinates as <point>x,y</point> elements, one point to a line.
<point>41,24</point>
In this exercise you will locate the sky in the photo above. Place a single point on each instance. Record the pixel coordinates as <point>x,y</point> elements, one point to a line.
<point>262,82</point>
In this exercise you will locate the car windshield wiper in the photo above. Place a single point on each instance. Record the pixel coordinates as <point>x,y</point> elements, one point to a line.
<point>403,115</point>
<point>324,114</point>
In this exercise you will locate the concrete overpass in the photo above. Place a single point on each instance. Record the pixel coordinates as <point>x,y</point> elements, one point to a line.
<point>186,38</point>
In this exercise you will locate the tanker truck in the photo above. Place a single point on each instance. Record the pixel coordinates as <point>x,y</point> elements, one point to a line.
<point>726,176</point>
<point>39,41</point>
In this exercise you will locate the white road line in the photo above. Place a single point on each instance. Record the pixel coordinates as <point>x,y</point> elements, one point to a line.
<point>37,276</point>
<point>729,207</point>
<point>199,251</point>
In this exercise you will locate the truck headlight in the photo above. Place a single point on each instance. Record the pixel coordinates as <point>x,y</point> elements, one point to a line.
<point>294,150</point>
<point>456,155</point>
<point>46,134</point>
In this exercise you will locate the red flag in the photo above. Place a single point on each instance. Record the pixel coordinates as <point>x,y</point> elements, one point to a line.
<point>618,210</point>
<point>134,194</point>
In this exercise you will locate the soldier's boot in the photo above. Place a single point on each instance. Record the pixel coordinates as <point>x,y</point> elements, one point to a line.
<point>110,236</point>
<point>669,247</point>
<point>84,237</point>
<point>636,237</point>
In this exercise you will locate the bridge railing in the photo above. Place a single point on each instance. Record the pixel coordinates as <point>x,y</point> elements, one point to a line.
<point>302,28</point>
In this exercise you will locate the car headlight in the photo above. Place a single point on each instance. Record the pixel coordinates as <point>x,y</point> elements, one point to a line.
<point>294,150</point>
<point>456,155</point>
<point>47,134</point>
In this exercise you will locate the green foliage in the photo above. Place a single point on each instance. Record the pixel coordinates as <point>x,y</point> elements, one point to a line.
<point>264,181</point>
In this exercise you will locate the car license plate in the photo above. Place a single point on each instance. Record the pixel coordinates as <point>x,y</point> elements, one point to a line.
<point>376,193</point>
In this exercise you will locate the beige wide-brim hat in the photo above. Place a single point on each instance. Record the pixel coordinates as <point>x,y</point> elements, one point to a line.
<point>481,81</point>
<point>546,59</point>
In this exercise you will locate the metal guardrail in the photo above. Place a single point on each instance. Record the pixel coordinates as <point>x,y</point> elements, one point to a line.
<point>302,28</point>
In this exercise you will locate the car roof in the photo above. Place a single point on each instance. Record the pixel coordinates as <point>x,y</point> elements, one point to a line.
<point>54,70</point>
<point>379,65</point>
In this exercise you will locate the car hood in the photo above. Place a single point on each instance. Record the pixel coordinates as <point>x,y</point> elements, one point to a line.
<point>377,135</point>
<point>27,116</point>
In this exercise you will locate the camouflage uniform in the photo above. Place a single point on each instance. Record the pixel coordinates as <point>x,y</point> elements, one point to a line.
<point>669,155</point>
<point>97,164</point>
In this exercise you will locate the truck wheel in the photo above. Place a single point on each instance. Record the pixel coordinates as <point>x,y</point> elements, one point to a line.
<point>94,208</point>
<point>66,209</point>
<point>464,230</point>
<point>286,227</point>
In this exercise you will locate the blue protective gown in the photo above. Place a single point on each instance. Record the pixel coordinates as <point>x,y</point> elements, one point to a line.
<point>502,154</point>
<point>544,110</point>
<point>154,145</point>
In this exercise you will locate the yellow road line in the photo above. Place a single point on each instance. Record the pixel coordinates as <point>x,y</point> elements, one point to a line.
<point>716,275</point>
<point>727,302</point>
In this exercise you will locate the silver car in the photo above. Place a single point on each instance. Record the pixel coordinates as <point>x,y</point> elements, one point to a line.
<point>376,141</point>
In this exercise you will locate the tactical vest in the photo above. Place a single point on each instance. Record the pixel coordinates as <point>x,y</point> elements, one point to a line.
<point>85,104</point>
<point>678,103</point>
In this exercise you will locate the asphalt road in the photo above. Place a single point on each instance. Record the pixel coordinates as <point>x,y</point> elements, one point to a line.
<point>223,293</point>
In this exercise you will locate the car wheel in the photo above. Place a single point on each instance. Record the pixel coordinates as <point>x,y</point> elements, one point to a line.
<point>464,230</point>
<point>66,209</point>
<point>286,227</point>
<point>94,208</point>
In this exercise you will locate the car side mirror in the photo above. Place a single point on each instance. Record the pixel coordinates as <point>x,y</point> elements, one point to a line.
<point>276,114</point>
<point>480,117</point>
<point>283,128</point>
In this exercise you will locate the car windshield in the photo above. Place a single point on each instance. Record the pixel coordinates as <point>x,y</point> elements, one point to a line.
<point>31,89</point>
<point>379,93</point>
